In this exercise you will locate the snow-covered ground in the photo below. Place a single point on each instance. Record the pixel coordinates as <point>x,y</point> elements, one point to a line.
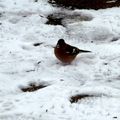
<point>22,24</point>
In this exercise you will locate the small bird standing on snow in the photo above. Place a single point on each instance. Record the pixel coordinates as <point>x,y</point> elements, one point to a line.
<point>65,52</point>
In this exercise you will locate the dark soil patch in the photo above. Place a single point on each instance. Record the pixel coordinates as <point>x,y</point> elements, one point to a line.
<point>115,117</point>
<point>87,4</point>
<point>105,63</point>
<point>24,16</point>
<point>33,87</point>
<point>75,98</point>
<point>63,18</point>
<point>54,20</point>
<point>0,14</point>
<point>32,70</point>
<point>115,39</point>
<point>37,44</point>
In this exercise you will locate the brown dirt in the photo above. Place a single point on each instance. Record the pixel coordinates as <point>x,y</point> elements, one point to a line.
<point>86,4</point>
<point>33,87</point>
<point>75,98</point>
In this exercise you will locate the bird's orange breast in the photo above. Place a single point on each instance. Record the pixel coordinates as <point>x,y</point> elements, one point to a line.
<point>63,56</point>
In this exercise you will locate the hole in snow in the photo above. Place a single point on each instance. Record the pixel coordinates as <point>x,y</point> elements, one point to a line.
<point>33,87</point>
<point>75,98</point>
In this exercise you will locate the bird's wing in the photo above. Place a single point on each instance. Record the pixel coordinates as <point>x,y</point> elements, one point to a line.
<point>71,50</point>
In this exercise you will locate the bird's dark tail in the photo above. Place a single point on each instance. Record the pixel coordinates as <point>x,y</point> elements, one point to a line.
<point>83,51</point>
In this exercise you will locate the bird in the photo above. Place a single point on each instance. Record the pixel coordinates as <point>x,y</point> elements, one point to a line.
<point>66,53</point>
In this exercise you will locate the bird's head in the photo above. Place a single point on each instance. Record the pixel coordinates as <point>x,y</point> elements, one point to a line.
<point>61,42</point>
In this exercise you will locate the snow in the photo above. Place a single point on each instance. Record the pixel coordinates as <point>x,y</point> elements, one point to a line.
<point>96,73</point>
